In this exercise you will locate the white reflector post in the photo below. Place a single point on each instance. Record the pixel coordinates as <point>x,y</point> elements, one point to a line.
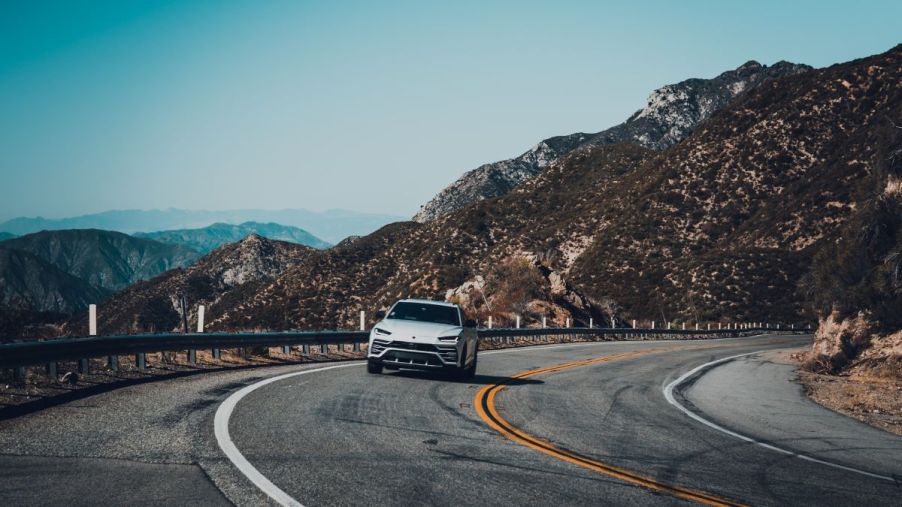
<point>200,318</point>
<point>92,320</point>
<point>543,322</point>
<point>490,322</point>
<point>518,322</point>
<point>362,320</point>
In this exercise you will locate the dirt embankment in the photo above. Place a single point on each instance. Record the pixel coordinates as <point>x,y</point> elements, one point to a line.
<point>856,369</point>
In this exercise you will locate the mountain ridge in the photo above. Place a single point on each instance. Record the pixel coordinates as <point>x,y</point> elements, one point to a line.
<point>671,113</point>
<point>205,239</point>
<point>330,225</point>
<point>105,259</point>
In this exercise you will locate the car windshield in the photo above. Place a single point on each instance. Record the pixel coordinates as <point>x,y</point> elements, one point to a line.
<point>425,312</point>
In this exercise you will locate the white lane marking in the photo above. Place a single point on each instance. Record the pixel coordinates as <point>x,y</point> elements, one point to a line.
<point>221,430</point>
<point>668,393</point>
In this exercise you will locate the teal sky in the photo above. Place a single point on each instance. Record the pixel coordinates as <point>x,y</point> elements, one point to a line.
<point>371,106</point>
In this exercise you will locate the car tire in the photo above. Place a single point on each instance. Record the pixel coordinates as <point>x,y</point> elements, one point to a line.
<point>373,367</point>
<point>470,372</point>
<point>467,372</point>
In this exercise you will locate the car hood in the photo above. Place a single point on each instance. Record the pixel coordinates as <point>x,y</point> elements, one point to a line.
<point>409,328</point>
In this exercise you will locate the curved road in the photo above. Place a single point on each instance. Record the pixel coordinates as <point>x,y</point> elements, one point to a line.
<point>566,424</point>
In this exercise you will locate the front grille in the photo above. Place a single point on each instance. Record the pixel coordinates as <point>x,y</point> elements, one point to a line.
<point>413,359</point>
<point>448,353</point>
<point>379,345</point>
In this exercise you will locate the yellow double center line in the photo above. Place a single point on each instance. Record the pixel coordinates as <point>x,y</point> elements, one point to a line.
<point>485,407</point>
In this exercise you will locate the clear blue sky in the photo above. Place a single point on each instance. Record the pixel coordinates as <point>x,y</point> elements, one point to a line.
<point>372,106</point>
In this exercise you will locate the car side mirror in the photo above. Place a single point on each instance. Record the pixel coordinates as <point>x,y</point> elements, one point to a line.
<point>470,323</point>
<point>380,315</point>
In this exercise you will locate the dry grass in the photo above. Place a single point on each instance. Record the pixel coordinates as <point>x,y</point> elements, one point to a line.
<point>876,401</point>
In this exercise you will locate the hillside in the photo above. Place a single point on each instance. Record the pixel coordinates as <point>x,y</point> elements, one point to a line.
<point>726,223</point>
<point>6,235</point>
<point>104,259</point>
<point>222,280</point>
<point>206,239</point>
<point>28,282</point>
<point>720,227</point>
<point>671,113</point>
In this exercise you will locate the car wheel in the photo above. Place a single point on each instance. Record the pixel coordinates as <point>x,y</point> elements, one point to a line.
<point>373,367</point>
<point>467,372</point>
<point>470,371</point>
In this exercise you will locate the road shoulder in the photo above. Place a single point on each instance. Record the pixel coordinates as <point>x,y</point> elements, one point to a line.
<point>760,396</point>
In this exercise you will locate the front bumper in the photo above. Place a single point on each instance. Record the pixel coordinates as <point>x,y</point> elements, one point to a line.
<point>420,356</point>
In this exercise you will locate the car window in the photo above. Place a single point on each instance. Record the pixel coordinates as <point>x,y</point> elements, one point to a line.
<point>425,312</point>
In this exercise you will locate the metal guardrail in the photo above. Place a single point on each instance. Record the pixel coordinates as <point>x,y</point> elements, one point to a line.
<point>22,354</point>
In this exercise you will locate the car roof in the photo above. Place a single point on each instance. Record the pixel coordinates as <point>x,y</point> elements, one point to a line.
<point>429,301</point>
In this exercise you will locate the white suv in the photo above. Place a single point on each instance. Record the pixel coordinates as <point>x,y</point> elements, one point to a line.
<point>423,335</point>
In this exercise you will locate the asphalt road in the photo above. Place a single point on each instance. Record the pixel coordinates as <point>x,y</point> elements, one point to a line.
<point>343,437</point>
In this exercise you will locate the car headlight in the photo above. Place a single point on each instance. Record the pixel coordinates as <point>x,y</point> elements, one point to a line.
<point>448,338</point>
<point>379,330</point>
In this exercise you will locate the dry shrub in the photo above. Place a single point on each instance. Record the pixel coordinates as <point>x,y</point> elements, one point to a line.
<point>513,284</point>
<point>838,342</point>
<point>856,346</point>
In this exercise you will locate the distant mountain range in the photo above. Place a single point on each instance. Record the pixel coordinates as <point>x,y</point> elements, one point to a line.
<point>205,239</point>
<point>47,276</point>
<point>331,226</point>
<point>671,114</point>
<point>105,259</point>
<point>723,226</point>
<point>6,235</point>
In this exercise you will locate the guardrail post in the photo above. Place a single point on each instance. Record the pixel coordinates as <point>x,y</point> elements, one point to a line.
<point>92,320</point>
<point>84,365</point>
<point>323,348</point>
<point>112,363</point>
<point>51,370</point>
<point>19,373</point>
<point>355,347</point>
<point>141,360</point>
<point>306,349</point>
<point>200,318</point>
<point>192,354</point>
<point>217,353</point>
